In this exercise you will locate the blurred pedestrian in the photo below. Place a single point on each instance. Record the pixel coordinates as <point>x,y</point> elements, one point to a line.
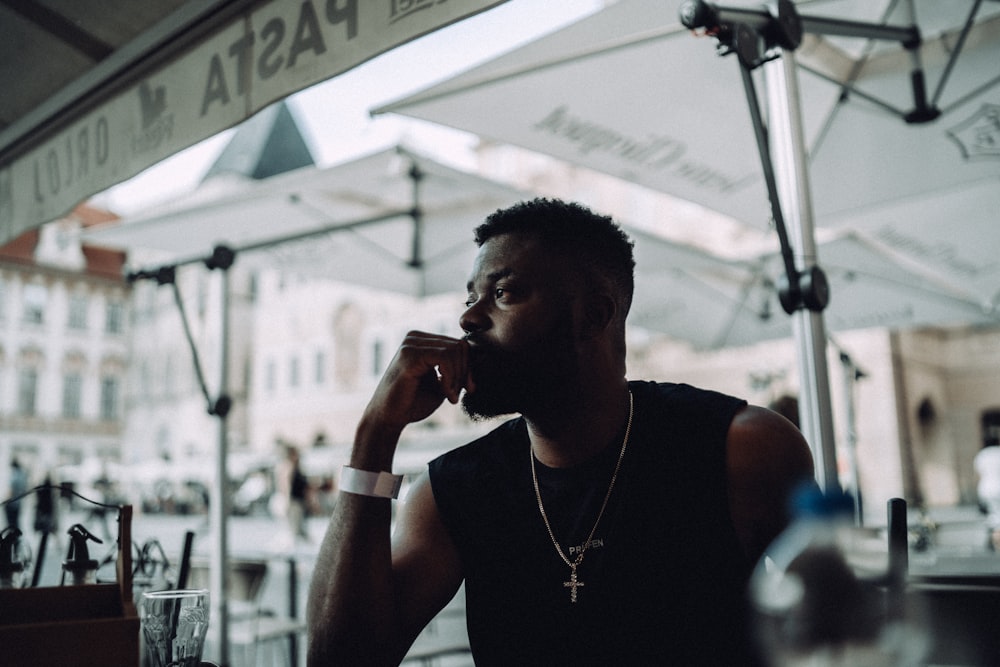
<point>18,486</point>
<point>97,511</point>
<point>987,465</point>
<point>293,486</point>
<point>46,520</point>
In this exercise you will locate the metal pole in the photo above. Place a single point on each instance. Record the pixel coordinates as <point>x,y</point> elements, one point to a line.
<point>850,372</point>
<point>788,154</point>
<point>293,609</point>
<point>219,496</point>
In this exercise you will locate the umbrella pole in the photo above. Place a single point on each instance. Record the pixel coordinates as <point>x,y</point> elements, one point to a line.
<point>222,258</point>
<point>788,151</point>
<point>219,505</point>
<point>754,35</point>
<point>852,374</point>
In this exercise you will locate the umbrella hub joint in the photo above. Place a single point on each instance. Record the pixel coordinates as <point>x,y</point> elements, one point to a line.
<point>755,35</point>
<point>221,407</point>
<point>222,257</point>
<point>164,275</point>
<point>922,114</point>
<point>804,290</point>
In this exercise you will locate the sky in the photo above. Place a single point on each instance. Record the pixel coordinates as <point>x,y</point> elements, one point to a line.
<point>334,114</point>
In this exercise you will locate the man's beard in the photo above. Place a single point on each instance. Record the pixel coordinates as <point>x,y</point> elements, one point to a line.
<point>534,378</point>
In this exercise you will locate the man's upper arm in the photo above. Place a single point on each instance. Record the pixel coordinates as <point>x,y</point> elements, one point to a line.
<point>767,458</point>
<point>426,567</point>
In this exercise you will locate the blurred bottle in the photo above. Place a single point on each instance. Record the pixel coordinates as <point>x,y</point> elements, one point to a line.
<point>828,594</point>
<point>81,568</point>
<point>15,559</point>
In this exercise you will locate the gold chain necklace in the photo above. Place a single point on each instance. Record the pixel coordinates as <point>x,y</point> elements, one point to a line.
<point>573,582</point>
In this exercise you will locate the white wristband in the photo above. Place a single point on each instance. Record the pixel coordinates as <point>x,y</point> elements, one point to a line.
<point>366,483</point>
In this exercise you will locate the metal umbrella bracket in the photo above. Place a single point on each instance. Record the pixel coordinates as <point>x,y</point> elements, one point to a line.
<point>758,37</point>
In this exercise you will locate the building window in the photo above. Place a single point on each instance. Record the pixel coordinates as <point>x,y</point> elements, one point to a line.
<point>114,317</point>
<point>72,385</point>
<point>320,374</point>
<point>70,455</point>
<point>253,288</point>
<point>269,377</point>
<point>35,297</point>
<point>377,353</point>
<point>991,427</point>
<point>109,397</point>
<point>293,372</point>
<point>77,318</point>
<point>145,379</point>
<point>27,392</point>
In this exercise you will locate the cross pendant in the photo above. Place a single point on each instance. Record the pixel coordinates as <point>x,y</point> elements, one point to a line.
<point>572,584</point>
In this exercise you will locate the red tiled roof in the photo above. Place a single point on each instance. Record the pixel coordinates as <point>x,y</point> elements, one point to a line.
<point>90,215</point>
<point>102,262</point>
<point>105,262</point>
<point>22,249</point>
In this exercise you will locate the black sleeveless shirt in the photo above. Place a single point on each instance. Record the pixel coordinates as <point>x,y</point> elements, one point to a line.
<point>663,577</point>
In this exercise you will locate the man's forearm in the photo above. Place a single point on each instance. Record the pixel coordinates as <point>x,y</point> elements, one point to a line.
<point>351,605</point>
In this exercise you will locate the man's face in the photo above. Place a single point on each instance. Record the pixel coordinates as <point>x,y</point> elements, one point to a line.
<point>521,323</point>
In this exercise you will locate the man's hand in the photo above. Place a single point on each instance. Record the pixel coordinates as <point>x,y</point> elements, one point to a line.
<point>426,370</point>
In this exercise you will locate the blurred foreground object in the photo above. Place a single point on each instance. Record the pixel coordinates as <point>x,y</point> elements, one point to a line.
<point>828,593</point>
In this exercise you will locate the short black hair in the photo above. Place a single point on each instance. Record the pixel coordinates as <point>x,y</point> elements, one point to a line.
<point>601,248</point>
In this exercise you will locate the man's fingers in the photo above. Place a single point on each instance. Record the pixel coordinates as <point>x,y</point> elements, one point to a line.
<point>443,357</point>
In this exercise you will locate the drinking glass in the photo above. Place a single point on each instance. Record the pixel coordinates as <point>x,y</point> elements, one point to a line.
<point>174,625</point>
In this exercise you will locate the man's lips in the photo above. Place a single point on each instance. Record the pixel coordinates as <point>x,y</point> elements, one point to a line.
<point>483,360</point>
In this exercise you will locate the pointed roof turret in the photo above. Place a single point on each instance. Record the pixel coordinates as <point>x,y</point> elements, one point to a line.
<point>267,144</point>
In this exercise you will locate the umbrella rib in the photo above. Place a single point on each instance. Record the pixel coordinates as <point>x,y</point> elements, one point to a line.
<point>450,250</point>
<point>352,230</point>
<point>953,58</point>
<point>849,87</point>
<point>964,300</point>
<point>970,95</point>
<point>324,229</point>
<point>758,277</point>
<point>381,249</point>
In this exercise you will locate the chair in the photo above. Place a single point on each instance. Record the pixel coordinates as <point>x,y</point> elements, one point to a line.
<point>252,625</point>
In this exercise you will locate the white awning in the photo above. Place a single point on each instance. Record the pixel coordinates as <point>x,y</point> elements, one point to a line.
<point>115,86</point>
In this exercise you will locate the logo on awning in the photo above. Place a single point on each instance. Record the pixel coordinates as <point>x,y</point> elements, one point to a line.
<point>979,135</point>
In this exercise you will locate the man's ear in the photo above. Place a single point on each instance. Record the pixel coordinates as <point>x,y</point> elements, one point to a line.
<point>598,314</point>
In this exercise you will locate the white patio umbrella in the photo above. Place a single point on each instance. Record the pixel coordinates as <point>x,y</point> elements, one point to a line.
<point>107,88</point>
<point>730,303</point>
<point>629,92</point>
<point>354,222</point>
<point>392,220</point>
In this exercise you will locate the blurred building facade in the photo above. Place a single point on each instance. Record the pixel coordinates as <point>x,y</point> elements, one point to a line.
<point>179,337</point>
<point>64,351</point>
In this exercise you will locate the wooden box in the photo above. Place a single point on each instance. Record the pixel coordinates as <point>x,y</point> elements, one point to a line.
<point>74,625</point>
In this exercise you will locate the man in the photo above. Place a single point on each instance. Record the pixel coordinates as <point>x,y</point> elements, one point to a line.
<point>613,522</point>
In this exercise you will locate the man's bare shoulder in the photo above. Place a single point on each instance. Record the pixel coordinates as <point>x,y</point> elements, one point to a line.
<point>767,459</point>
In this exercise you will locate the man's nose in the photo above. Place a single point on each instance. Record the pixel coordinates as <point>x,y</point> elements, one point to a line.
<point>474,319</point>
